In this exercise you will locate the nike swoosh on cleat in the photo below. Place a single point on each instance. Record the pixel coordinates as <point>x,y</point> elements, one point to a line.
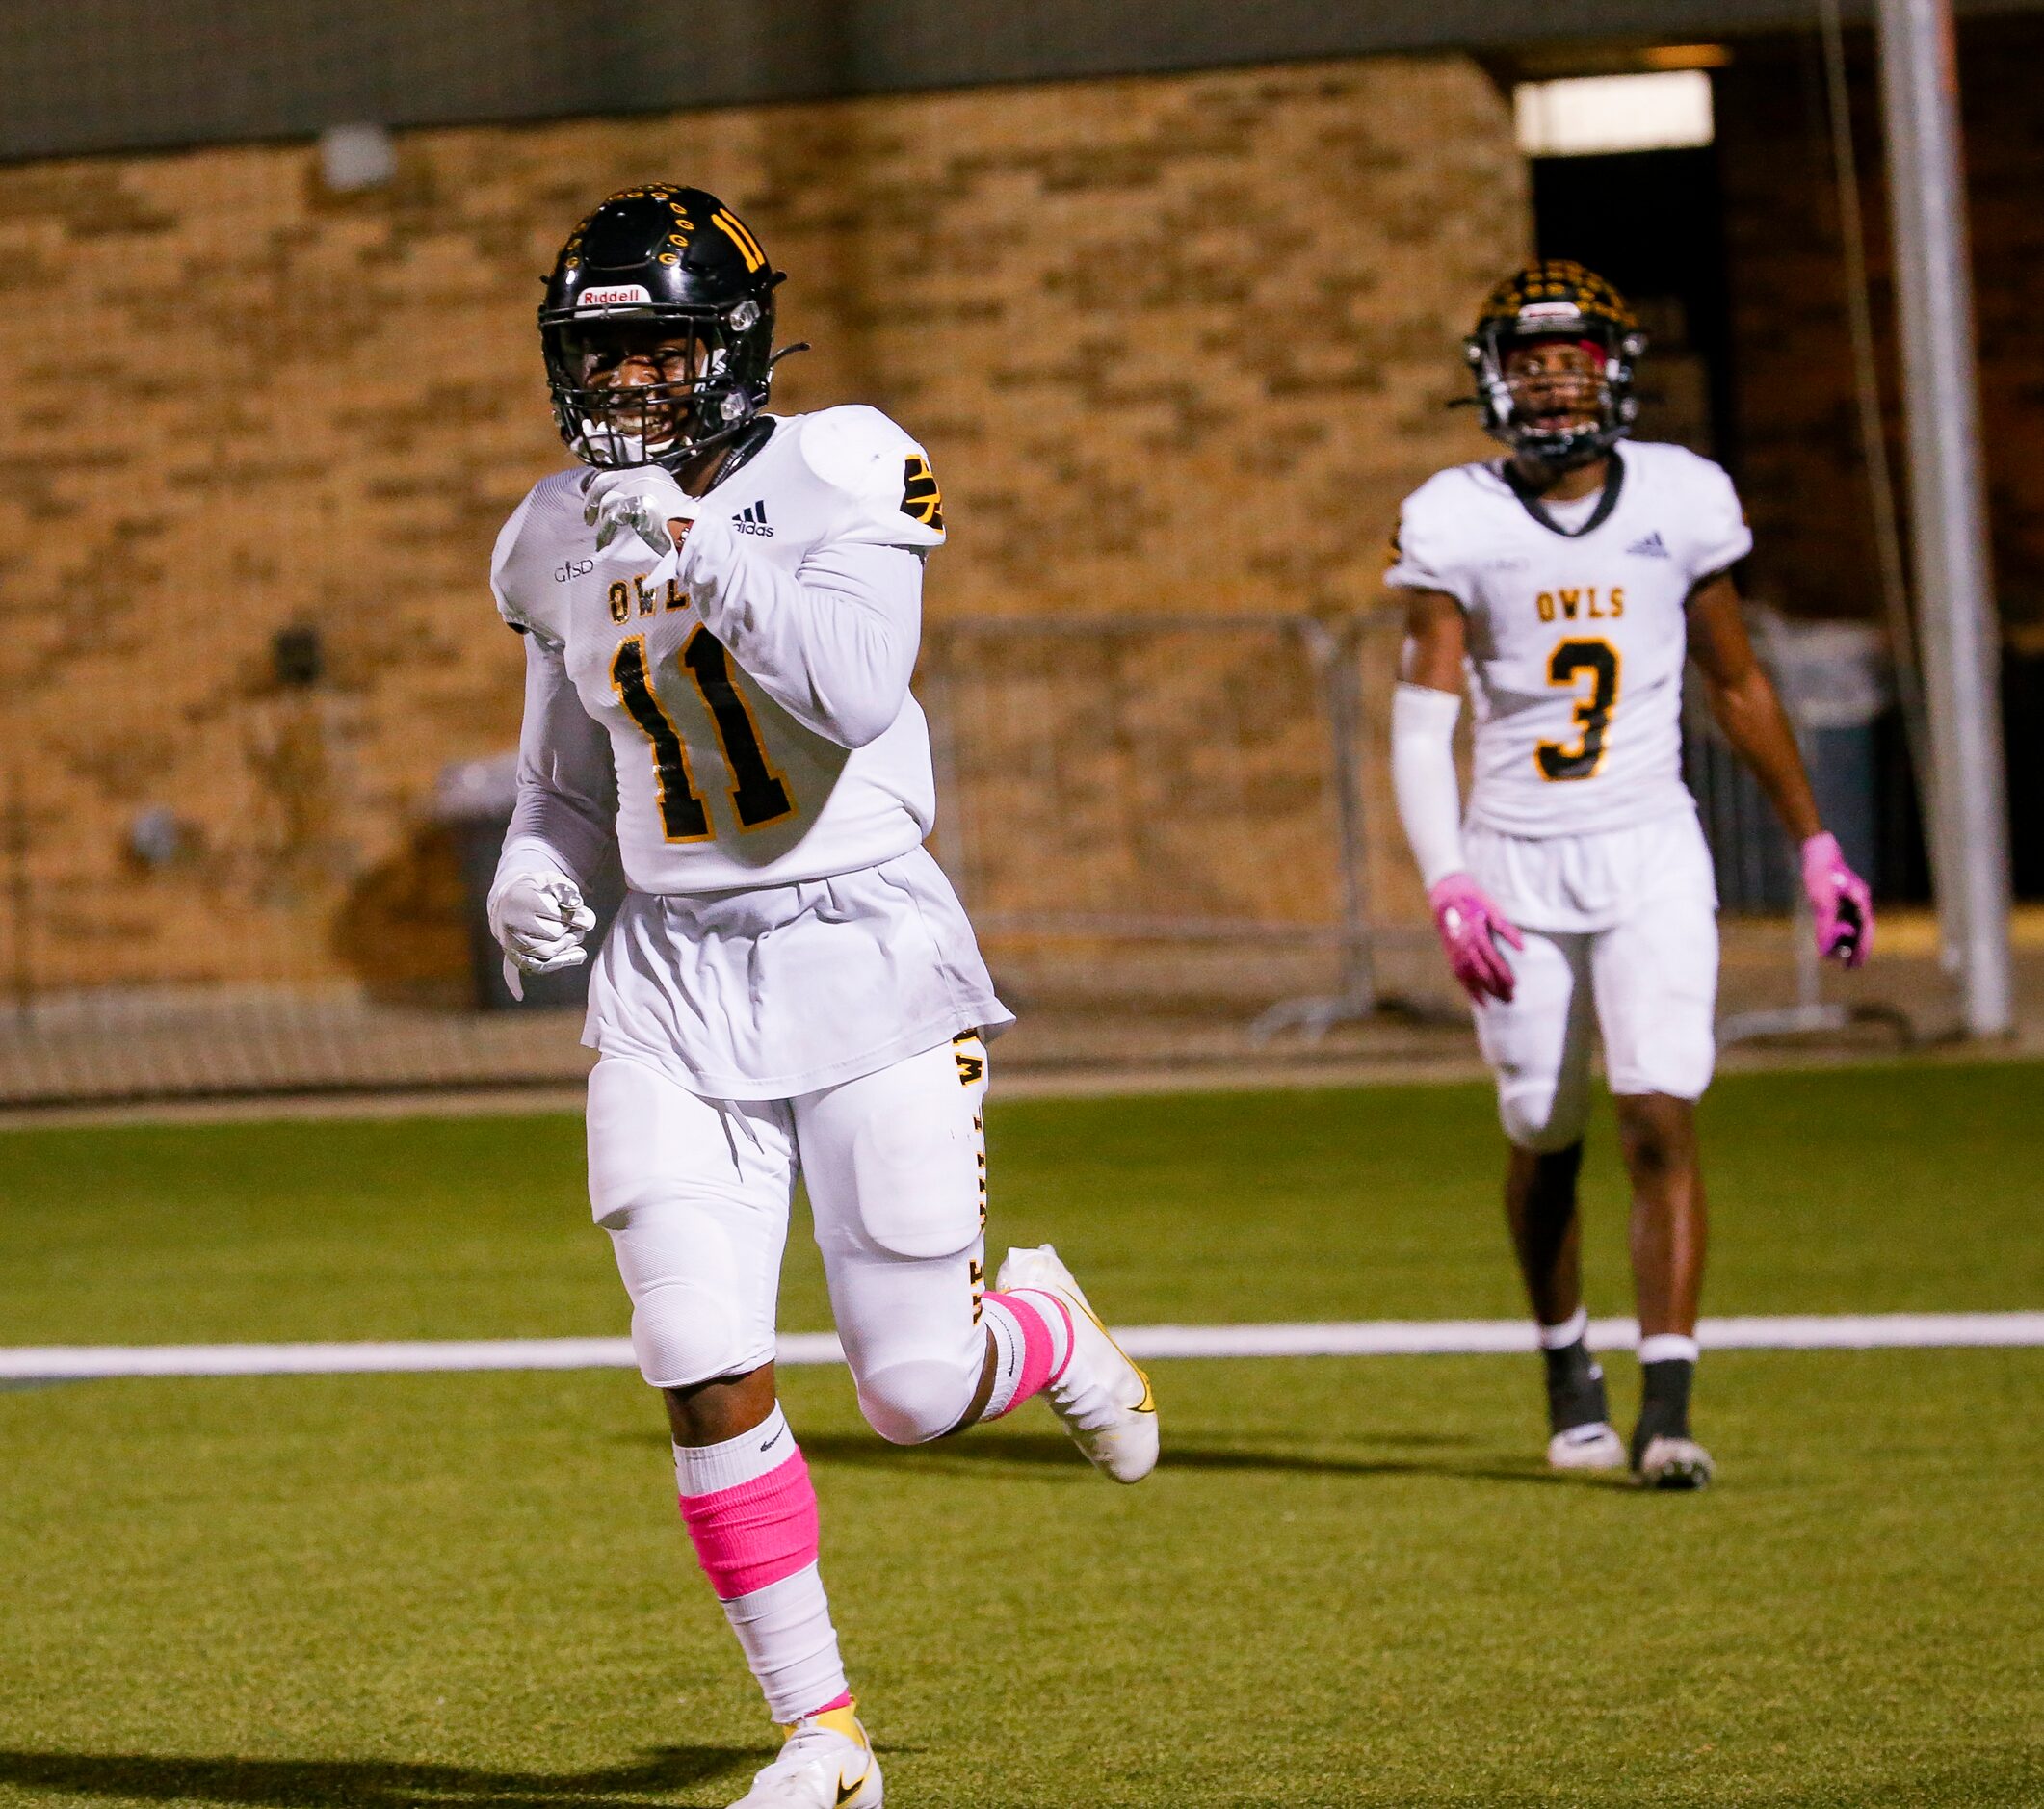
<point>1149,1395</point>
<point>847,1792</point>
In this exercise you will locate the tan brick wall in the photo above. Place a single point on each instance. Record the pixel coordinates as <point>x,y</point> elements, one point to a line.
<point>1175,344</point>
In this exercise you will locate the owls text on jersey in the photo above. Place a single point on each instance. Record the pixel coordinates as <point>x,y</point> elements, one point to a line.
<point>747,722</point>
<point>1577,643</point>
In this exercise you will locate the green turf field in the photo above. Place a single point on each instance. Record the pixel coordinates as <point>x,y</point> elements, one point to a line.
<point>1350,1583</point>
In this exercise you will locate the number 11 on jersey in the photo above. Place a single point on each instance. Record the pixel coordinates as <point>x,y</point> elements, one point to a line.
<point>758,793</point>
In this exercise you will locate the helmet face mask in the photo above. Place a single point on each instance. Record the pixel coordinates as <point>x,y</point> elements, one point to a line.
<point>1557,410</point>
<point>1560,389</point>
<point>635,389</point>
<point>657,328</point>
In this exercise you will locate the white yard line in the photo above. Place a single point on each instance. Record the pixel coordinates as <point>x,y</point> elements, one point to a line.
<point>1386,1337</point>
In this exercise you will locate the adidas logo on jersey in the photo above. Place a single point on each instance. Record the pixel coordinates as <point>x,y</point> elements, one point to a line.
<point>1652,547</point>
<point>752,519</point>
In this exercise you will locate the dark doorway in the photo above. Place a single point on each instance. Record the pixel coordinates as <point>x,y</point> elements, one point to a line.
<point>1653,224</point>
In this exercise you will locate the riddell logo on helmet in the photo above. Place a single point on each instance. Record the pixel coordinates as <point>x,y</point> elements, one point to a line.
<point>1549,312</point>
<point>616,296</point>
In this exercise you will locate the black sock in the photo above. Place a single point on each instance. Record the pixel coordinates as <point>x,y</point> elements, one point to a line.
<point>1575,1388</point>
<point>1664,1402</point>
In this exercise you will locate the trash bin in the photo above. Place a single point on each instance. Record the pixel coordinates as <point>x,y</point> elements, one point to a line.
<point>474,799</point>
<point>1834,680</point>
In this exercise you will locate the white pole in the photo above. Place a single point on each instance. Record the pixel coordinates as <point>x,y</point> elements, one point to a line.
<point>1961,649</point>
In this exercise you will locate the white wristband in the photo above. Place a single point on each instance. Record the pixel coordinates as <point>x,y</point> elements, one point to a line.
<point>1423,779</point>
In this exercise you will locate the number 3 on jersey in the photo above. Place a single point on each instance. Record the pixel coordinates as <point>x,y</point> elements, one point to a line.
<point>1559,760</point>
<point>758,793</point>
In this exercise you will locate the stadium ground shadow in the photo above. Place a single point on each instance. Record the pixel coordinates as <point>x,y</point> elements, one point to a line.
<point>1040,1452</point>
<point>2004,1777</point>
<point>377,1783</point>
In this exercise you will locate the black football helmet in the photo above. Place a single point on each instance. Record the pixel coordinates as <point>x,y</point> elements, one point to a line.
<point>1555,299</point>
<point>668,278</point>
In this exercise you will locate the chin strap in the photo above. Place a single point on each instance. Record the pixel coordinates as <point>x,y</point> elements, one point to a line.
<point>736,446</point>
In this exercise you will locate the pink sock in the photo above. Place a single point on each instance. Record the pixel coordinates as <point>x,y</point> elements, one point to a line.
<point>750,1510</point>
<point>756,1533</point>
<point>1032,1334</point>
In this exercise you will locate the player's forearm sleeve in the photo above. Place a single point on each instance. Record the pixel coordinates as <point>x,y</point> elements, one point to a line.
<point>1423,779</point>
<point>834,642</point>
<point>566,811</point>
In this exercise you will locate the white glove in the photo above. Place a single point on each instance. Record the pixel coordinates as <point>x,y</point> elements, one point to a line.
<point>539,924</point>
<point>644,498</point>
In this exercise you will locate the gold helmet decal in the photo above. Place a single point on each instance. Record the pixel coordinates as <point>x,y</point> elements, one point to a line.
<point>1558,290</point>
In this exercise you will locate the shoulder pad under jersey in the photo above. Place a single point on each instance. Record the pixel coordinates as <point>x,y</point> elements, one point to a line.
<point>1710,519</point>
<point>521,567</point>
<point>1428,550</point>
<point>891,494</point>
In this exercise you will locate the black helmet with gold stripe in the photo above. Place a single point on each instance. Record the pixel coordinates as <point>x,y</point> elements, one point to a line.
<point>658,328</point>
<point>1557,300</point>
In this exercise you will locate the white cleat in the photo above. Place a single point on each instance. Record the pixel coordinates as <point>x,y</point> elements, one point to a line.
<point>1592,1446</point>
<point>1104,1400</point>
<point>826,1763</point>
<point>1672,1464</point>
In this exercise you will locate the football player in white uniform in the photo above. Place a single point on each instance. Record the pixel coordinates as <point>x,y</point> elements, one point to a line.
<point>1568,582</point>
<point>721,610</point>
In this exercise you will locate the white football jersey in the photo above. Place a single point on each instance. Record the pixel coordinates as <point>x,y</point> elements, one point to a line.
<point>718,785</point>
<point>1577,643</point>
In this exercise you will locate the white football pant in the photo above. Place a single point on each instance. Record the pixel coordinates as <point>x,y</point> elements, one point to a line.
<point>1647,980</point>
<point>696,1195</point>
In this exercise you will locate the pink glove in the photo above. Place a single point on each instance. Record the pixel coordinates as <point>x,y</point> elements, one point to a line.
<point>1470,927</point>
<point>1839,897</point>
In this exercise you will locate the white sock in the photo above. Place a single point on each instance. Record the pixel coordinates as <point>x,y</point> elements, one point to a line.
<point>1007,1338</point>
<point>704,1469</point>
<point>751,1512</point>
<point>1570,1330</point>
<point>785,1632</point>
<point>1667,1346</point>
<point>1028,1349</point>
